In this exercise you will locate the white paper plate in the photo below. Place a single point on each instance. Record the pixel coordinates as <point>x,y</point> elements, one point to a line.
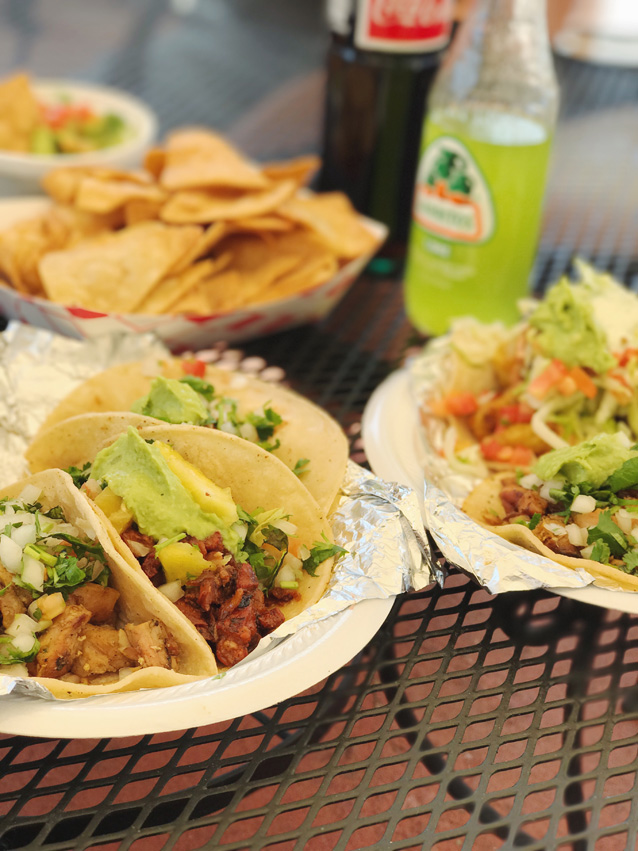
<point>177,332</point>
<point>299,662</point>
<point>391,436</point>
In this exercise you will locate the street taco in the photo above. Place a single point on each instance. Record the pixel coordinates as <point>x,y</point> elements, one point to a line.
<point>222,527</point>
<point>578,507</point>
<point>75,617</point>
<point>178,391</point>
<point>566,372</point>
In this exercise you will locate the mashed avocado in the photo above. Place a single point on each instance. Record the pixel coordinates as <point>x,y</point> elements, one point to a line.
<point>138,473</point>
<point>566,328</point>
<point>172,401</point>
<point>592,461</point>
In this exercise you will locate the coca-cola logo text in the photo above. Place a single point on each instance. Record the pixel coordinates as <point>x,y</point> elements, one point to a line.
<point>409,14</point>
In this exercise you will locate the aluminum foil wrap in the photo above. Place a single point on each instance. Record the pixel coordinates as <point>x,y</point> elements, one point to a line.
<point>379,524</point>
<point>497,564</point>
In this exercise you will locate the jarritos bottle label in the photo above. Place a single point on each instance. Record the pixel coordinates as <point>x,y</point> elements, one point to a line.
<point>452,199</point>
<point>403,26</point>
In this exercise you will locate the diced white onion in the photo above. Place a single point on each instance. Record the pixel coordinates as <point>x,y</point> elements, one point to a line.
<point>249,432</point>
<point>22,624</point>
<point>228,427</point>
<point>553,484</point>
<point>43,624</point>
<point>173,590</point>
<point>138,549</point>
<point>23,517</point>
<point>624,520</point>
<point>23,535</point>
<point>10,554</point>
<point>30,494</point>
<point>587,551</point>
<point>33,573</point>
<point>24,642</point>
<point>286,526</point>
<point>304,552</point>
<point>583,504</point>
<point>530,481</point>
<point>554,528</point>
<point>577,535</point>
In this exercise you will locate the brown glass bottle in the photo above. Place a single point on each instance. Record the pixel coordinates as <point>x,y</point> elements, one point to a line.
<point>382,59</point>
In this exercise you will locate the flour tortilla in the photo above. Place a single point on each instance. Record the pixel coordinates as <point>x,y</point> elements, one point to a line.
<point>139,601</point>
<point>306,431</point>
<point>484,504</point>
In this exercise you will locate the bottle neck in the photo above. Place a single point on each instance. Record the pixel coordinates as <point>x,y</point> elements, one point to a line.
<point>501,56</point>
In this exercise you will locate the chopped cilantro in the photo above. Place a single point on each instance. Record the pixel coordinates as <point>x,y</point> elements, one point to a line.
<point>9,654</point>
<point>624,477</point>
<point>265,423</point>
<point>631,561</point>
<point>600,552</point>
<point>534,520</point>
<point>319,553</point>
<point>301,466</point>
<point>79,474</point>
<point>608,532</point>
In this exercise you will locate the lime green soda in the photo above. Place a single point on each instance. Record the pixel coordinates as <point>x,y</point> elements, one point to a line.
<point>476,216</point>
<point>482,169</point>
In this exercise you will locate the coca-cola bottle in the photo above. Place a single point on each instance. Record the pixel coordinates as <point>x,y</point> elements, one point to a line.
<point>382,59</point>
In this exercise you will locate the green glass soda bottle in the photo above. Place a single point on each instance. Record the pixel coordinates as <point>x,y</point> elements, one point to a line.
<point>482,168</point>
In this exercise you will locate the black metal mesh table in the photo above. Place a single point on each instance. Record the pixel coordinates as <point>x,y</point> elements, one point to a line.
<point>469,721</point>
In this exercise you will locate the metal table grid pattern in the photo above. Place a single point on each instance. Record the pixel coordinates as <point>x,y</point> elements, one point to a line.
<point>469,721</point>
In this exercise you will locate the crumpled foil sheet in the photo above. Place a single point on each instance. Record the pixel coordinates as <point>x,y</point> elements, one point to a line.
<point>378,523</point>
<point>496,564</point>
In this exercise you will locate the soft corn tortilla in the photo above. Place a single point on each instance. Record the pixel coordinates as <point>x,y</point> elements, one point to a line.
<point>139,601</point>
<point>306,431</point>
<point>257,480</point>
<point>484,504</point>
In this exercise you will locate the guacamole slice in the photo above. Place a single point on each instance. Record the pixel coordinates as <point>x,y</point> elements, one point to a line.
<point>172,401</point>
<point>566,328</point>
<point>162,506</point>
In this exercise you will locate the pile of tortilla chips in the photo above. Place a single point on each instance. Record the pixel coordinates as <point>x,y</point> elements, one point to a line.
<point>200,230</point>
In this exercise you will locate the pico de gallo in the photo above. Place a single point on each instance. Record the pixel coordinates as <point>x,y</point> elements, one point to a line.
<point>568,371</point>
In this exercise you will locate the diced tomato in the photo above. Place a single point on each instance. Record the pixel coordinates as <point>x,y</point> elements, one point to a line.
<point>583,382</point>
<point>624,357</point>
<point>56,115</point>
<point>455,404</point>
<point>519,412</point>
<point>566,381</point>
<point>517,456</point>
<point>548,378</point>
<point>194,367</point>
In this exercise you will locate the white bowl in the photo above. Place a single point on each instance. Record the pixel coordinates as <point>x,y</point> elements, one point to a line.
<point>20,174</point>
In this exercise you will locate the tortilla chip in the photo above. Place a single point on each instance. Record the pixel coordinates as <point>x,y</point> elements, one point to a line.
<point>208,240</point>
<point>334,220</point>
<point>141,210</point>
<point>63,183</point>
<point>198,158</point>
<point>204,206</point>
<point>19,113</point>
<point>96,195</point>
<point>154,160</point>
<point>260,224</point>
<point>115,272</point>
<point>300,169</point>
<point>314,271</point>
<point>173,288</point>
